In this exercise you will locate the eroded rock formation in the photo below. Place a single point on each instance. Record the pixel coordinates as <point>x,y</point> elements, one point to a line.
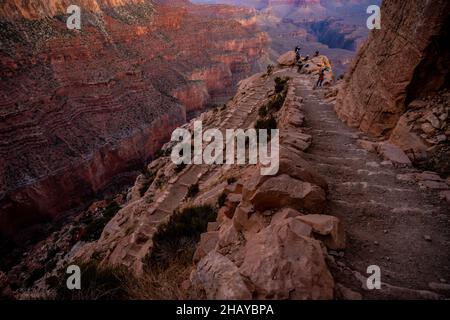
<point>396,86</point>
<point>267,226</point>
<point>81,111</point>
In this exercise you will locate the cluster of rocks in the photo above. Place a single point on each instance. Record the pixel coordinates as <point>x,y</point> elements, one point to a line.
<point>423,130</point>
<point>412,113</point>
<point>270,237</point>
<point>429,180</point>
<point>393,155</point>
<point>311,66</point>
<point>420,139</point>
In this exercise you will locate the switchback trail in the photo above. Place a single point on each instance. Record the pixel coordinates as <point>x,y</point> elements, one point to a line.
<point>389,223</point>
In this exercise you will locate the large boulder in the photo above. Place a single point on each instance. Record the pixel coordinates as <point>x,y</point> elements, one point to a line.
<point>292,164</point>
<point>219,278</point>
<point>393,153</point>
<point>287,59</point>
<point>283,214</point>
<point>295,139</point>
<point>328,228</point>
<point>407,139</point>
<point>283,262</point>
<point>284,191</point>
<point>207,243</point>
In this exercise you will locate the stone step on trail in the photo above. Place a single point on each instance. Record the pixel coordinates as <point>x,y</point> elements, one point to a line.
<point>374,206</point>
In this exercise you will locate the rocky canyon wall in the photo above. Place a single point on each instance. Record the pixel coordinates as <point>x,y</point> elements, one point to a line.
<point>396,87</point>
<point>81,109</point>
<point>392,68</point>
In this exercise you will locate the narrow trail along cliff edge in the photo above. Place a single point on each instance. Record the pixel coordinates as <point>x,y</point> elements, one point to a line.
<point>390,222</point>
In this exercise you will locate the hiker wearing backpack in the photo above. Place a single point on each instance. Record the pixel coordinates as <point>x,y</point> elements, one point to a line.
<point>321,78</point>
<point>297,53</point>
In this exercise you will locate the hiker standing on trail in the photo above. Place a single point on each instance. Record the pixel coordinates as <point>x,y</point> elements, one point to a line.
<point>321,78</point>
<point>297,53</point>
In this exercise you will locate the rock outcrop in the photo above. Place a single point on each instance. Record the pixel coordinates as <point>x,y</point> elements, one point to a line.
<point>267,227</point>
<point>396,86</point>
<point>82,111</point>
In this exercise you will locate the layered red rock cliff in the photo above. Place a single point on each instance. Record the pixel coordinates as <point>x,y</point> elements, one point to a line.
<point>82,109</point>
<point>388,92</point>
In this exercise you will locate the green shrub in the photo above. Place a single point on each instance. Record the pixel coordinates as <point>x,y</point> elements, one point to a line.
<point>231,180</point>
<point>276,103</point>
<point>267,124</point>
<point>262,112</point>
<point>144,187</point>
<point>162,153</point>
<point>221,200</point>
<point>180,167</point>
<point>96,283</point>
<point>149,176</point>
<point>95,226</point>
<point>193,190</point>
<point>176,240</point>
<point>147,173</point>
<point>280,84</point>
<point>161,180</point>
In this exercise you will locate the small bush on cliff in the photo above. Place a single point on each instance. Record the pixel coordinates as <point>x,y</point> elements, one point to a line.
<point>161,180</point>
<point>176,240</point>
<point>162,153</point>
<point>280,84</point>
<point>267,124</point>
<point>95,226</point>
<point>231,180</point>
<point>221,200</point>
<point>276,102</point>
<point>149,176</point>
<point>262,112</point>
<point>193,190</point>
<point>266,119</point>
<point>269,70</point>
<point>96,283</point>
<point>179,167</point>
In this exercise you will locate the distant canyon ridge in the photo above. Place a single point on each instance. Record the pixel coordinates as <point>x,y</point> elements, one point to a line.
<point>336,28</point>
<point>82,111</point>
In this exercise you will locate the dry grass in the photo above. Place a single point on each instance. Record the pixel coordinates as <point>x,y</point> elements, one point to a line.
<point>166,267</point>
<point>161,284</point>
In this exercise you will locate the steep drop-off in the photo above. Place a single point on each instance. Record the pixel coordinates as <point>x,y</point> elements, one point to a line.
<point>82,109</point>
<point>227,232</point>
